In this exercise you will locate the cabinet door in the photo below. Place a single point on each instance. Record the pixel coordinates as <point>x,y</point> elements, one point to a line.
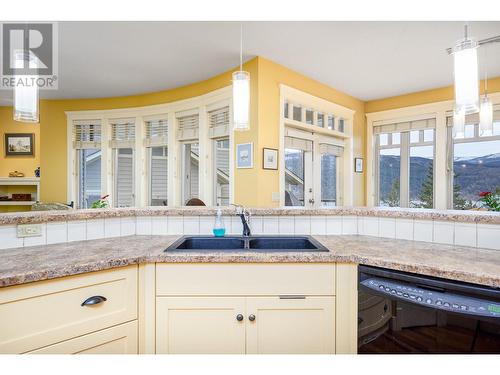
<point>200,325</point>
<point>291,326</point>
<point>121,339</point>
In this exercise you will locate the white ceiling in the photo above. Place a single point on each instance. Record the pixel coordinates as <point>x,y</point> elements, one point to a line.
<point>367,60</point>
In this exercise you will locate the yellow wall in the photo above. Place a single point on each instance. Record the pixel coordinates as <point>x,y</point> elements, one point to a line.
<point>54,127</point>
<point>271,75</point>
<point>423,97</point>
<point>25,164</point>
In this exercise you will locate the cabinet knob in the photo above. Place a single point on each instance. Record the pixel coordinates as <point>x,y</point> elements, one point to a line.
<point>251,317</point>
<point>95,300</point>
<point>239,317</point>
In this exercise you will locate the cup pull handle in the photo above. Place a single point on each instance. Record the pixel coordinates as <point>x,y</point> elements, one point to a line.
<point>94,300</point>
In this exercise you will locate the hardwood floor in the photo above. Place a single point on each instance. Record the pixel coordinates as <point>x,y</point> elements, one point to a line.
<point>447,339</point>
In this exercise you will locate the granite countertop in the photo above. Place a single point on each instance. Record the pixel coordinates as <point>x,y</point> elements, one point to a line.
<point>485,217</point>
<point>23,265</point>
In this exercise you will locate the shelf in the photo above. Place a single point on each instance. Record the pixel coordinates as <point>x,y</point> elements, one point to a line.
<point>17,203</point>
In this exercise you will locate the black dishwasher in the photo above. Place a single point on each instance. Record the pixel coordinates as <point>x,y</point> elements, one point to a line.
<point>402,312</point>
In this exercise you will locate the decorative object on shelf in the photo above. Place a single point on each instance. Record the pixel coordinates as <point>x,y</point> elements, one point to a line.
<point>4,198</point>
<point>37,172</point>
<point>101,203</point>
<point>19,144</point>
<point>16,174</point>
<point>269,158</point>
<point>21,197</point>
<point>358,165</point>
<point>241,93</point>
<point>244,155</point>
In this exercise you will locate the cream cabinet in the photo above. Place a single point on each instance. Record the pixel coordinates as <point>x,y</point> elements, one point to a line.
<point>290,325</point>
<point>200,325</point>
<point>121,339</point>
<point>246,308</point>
<point>41,314</point>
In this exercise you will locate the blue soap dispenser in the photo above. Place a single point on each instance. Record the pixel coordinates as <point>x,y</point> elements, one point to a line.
<point>219,229</point>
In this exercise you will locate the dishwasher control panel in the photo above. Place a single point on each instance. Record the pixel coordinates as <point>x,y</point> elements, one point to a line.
<point>433,299</point>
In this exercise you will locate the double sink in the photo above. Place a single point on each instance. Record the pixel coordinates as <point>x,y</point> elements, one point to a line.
<point>250,243</point>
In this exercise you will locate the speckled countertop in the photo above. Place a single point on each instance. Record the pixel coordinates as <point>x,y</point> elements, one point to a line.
<point>23,265</point>
<point>485,217</point>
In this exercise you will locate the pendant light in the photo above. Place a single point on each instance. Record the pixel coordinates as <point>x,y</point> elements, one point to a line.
<point>241,94</point>
<point>466,74</point>
<point>486,111</point>
<point>25,91</point>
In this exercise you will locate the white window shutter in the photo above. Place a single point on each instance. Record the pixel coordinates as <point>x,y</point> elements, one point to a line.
<point>188,127</point>
<point>86,134</point>
<point>405,126</point>
<point>298,144</point>
<point>122,134</point>
<point>218,121</point>
<point>156,133</point>
<point>325,148</point>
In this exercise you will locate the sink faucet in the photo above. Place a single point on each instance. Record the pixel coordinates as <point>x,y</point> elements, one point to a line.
<point>244,215</point>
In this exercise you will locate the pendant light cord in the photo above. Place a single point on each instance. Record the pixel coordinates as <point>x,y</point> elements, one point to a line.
<point>241,46</point>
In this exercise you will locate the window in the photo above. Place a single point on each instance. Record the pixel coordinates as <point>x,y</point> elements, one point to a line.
<point>221,161</point>
<point>294,177</point>
<point>329,173</point>
<point>87,143</point>
<point>190,167</point>
<point>122,143</point>
<point>474,163</point>
<point>156,144</point>
<point>321,120</point>
<point>405,164</point>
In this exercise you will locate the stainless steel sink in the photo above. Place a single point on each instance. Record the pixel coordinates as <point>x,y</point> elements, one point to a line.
<point>252,244</point>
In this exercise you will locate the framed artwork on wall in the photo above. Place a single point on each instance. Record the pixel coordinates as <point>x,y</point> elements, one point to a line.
<point>269,158</point>
<point>19,144</point>
<point>358,165</point>
<point>244,155</point>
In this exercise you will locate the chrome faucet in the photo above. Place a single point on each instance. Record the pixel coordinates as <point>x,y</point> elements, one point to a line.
<point>244,215</point>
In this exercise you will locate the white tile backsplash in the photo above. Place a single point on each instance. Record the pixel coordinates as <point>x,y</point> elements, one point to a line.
<point>159,225</point>
<point>387,227</point>
<point>8,236</point>
<point>423,230</point>
<point>286,225</point>
<point>443,232</point>
<point>368,226</point>
<point>127,226</point>
<point>404,229</point>
<point>466,234</point>
<point>318,225</point>
<point>175,225</point>
<point>192,225</point>
<point>207,224</point>
<point>334,225</point>
<point>302,225</point>
<point>349,225</point>
<point>270,225</point>
<point>488,236</point>
<point>256,223</point>
<point>112,227</point>
<point>95,229</point>
<point>57,232</point>
<point>236,227</point>
<point>77,230</point>
<point>143,225</point>
<point>38,240</point>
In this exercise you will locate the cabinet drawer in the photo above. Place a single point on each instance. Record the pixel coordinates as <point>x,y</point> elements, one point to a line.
<point>121,339</point>
<point>43,313</point>
<point>245,279</point>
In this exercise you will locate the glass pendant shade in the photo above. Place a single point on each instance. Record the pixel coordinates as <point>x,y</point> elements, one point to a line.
<point>466,76</point>
<point>458,123</point>
<point>25,90</point>
<point>486,117</point>
<point>26,103</point>
<point>241,100</point>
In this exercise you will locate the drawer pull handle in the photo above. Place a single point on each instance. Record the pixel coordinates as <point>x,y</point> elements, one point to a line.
<point>239,317</point>
<point>251,317</point>
<point>94,300</point>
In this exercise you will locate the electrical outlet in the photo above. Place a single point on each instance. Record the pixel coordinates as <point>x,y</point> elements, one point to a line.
<point>29,230</point>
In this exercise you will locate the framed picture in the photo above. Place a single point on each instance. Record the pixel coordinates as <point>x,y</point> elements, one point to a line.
<point>19,144</point>
<point>244,155</point>
<point>358,165</point>
<point>269,158</point>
